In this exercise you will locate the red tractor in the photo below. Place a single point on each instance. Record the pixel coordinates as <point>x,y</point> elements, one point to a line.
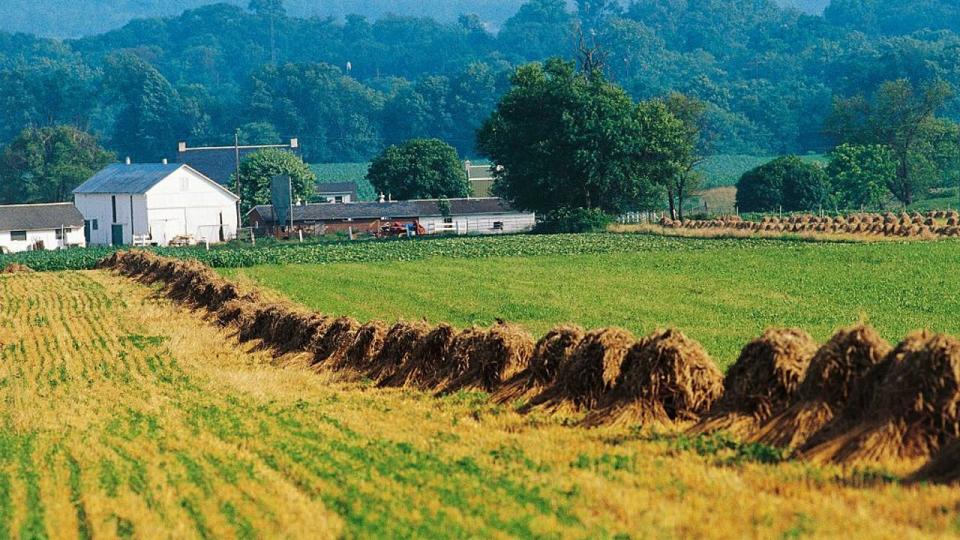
<point>400,230</point>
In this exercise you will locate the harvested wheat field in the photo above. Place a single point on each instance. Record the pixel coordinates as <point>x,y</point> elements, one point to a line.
<point>128,416</point>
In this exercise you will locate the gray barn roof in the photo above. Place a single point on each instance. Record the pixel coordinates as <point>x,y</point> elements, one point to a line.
<point>120,178</point>
<point>388,210</point>
<point>37,217</point>
<point>220,163</point>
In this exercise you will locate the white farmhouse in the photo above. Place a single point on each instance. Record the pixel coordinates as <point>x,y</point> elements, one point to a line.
<point>155,203</point>
<point>29,227</point>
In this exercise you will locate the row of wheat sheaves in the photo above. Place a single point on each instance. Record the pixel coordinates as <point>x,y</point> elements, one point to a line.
<point>855,398</point>
<point>938,224</point>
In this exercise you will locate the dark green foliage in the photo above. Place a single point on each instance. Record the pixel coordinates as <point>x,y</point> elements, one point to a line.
<point>564,139</point>
<point>419,169</point>
<point>151,112</point>
<point>902,117</point>
<point>766,75</point>
<point>45,164</point>
<point>257,171</point>
<point>893,17</point>
<point>788,183</point>
<point>575,220</point>
<point>860,175</point>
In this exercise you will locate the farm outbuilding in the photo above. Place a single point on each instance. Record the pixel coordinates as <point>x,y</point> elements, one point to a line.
<point>30,227</point>
<point>451,216</point>
<point>336,192</point>
<point>155,204</point>
<point>481,179</point>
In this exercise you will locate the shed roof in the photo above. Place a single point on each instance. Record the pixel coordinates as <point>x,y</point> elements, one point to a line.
<point>35,217</point>
<point>219,163</point>
<point>121,178</point>
<point>388,210</point>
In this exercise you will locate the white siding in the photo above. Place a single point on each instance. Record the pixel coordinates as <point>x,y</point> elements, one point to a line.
<point>131,216</point>
<point>74,237</point>
<point>480,223</point>
<point>182,203</point>
<point>187,203</point>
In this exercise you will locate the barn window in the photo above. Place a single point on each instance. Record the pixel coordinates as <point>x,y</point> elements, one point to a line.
<point>448,220</point>
<point>498,225</point>
<point>62,232</point>
<point>18,236</point>
<point>338,199</point>
<point>113,203</point>
<point>95,224</point>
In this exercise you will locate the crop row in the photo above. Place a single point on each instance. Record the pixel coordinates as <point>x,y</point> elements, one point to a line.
<point>376,251</point>
<point>855,398</point>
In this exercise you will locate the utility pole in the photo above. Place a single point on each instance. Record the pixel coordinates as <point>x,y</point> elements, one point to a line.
<point>236,148</point>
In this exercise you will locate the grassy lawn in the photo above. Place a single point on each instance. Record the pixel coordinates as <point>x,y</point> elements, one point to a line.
<point>722,294</point>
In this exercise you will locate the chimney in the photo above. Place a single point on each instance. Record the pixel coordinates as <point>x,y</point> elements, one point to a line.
<point>294,143</point>
<point>165,162</point>
<point>181,147</point>
<point>128,160</point>
<point>382,198</point>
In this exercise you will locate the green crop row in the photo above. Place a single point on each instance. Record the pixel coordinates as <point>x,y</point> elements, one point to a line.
<point>390,250</point>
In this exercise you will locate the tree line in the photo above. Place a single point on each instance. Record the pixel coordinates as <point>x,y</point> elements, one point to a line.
<point>349,88</point>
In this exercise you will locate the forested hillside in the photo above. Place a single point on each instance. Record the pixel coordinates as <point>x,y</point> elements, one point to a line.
<point>349,87</point>
<point>75,18</point>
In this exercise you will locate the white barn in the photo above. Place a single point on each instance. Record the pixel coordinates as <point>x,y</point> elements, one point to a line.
<point>29,227</point>
<point>155,203</point>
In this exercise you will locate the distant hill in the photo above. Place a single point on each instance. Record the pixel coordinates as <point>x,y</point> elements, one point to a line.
<point>75,18</point>
<point>807,6</point>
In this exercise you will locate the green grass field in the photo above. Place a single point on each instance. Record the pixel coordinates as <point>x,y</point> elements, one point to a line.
<point>724,170</point>
<point>346,172</point>
<point>722,293</point>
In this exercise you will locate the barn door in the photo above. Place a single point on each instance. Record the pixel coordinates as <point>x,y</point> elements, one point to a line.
<point>86,230</point>
<point>116,232</point>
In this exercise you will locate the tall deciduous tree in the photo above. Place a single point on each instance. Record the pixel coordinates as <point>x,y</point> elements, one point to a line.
<point>860,174</point>
<point>692,149</point>
<point>903,118</point>
<point>46,164</point>
<point>258,170</point>
<point>563,139</point>
<point>151,119</point>
<point>419,169</point>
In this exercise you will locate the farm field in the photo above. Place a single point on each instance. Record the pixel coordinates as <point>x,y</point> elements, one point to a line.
<point>721,293</point>
<point>346,172</point>
<point>127,415</point>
